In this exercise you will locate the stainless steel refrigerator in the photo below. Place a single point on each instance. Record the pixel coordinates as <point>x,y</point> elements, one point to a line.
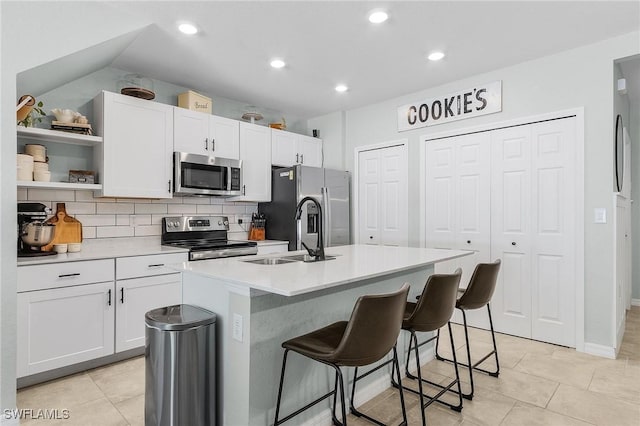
<point>289,185</point>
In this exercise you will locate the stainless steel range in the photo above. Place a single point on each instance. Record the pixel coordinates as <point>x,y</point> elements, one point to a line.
<point>204,236</point>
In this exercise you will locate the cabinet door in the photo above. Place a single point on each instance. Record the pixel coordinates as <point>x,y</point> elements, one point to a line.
<point>134,298</point>
<point>64,326</point>
<point>224,135</point>
<point>190,131</point>
<point>137,147</point>
<point>255,152</point>
<point>310,150</point>
<point>284,148</point>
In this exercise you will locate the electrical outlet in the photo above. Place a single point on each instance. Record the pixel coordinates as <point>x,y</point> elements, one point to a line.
<point>239,221</point>
<point>237,327</point>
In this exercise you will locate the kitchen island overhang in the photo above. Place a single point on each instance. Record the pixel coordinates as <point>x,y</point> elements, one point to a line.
<point>260,306</point>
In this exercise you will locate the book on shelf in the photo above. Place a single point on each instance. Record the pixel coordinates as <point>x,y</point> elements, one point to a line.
<point>84,129</point>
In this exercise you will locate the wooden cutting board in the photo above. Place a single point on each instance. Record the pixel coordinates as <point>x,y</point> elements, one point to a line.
<point>68,229</point>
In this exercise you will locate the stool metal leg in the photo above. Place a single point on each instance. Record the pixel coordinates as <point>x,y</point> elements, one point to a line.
<point>284,364</point>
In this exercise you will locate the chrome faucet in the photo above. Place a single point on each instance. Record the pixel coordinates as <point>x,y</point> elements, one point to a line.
<point>318,253</point>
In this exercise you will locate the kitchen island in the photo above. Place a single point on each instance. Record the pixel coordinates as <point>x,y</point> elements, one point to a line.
<point>260,306</point>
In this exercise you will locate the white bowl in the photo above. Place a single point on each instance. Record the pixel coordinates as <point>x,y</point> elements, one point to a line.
<point>42,176</point>
<point>64,115</point>
<point>74,247</point>
<point>60,248</point>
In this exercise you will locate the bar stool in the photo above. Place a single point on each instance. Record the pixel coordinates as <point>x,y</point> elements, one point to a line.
<point>477,295</point>
<point>367,337</point>
<point>432,311</point>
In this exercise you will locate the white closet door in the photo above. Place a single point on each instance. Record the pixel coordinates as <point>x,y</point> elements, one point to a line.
<point>510,228</point>
<point>552,231</point>
<point>369,197</point>
<point>382,196</point>
<point>440,193</point>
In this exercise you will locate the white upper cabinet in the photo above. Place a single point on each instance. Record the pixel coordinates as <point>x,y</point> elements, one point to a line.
<point>288,149</point>
<point>255,151</point>
<point>205,134</point>
<point>136,156</point>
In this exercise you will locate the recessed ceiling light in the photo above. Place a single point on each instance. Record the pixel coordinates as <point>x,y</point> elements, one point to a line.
<point>341,88</point>
<point>436,56</point>
<point>277,63</point>
<point>188,28</point>
<point>378,16</point>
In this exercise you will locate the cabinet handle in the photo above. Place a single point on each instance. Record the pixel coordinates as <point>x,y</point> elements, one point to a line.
<point>206,144</point>
<point>213,144</point>
<point>513,243</point>
<point>109,297</point>
<point>169,186</point>
<point>302,158</point>
<point>297,157</point>
<point>77,274</point>
<point>468,241</point>
<point>244,189</point>
<point>121,294</point>
<point>156,265</point>
<point>371,237</point>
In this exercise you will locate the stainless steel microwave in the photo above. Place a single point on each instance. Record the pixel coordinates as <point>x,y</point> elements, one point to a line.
<point>203,175</point>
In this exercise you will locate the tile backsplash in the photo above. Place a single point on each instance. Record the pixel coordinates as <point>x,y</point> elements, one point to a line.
<point>133,217</point>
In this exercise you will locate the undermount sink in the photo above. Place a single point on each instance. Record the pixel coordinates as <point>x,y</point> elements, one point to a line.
<point>269,261</point>
<point>305,258</point>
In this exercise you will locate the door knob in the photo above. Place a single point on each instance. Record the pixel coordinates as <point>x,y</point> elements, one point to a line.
<point>371,237</point>
<point>513,243</point>
<point>468,241</point>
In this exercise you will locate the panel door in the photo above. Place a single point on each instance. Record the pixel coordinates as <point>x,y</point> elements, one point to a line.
<point>138,146</point>
<point>224,134</point>
<point>64,326</point>
<point>369,194</point>
<point>310,150</point>
<point>255,152</point>
<point>283,148</point>
<point>134,298</point>
<point>393,184</point>
<point>190,131</point>
<point>510,228</point>
<point>553,231</point>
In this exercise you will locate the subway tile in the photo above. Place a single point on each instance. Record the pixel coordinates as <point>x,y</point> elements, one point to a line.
<point>114,231</point>
<point>156,219</point>
<point>208,209</point>
<point>140,219</point>
<point>136,200</point>
<point>97,219</point>
<point>228,209</point>
<point>81,208</point>
<point>84,196</point>
<point>219,200</point>
<point>195,200</point>
<point>146,230</point>
<point>174,200</point>
<point>22,194</point>
<point>50,195</point>
<point>122,220</point>
<point>150,208</point>
<point>115,208</point>
<point>252,209</point>
<point>181,209</point>
<point>88,232</point>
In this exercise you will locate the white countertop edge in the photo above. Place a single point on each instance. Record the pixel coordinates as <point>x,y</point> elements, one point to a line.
<point>183,267</point>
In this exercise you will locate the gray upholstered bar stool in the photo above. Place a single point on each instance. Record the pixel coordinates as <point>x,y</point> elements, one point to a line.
<point>432,311</point>
<point>368,336</point>
<point>477,295</point>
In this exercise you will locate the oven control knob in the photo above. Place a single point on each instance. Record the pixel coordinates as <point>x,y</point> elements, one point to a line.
<point>226,223</point>
<point>220,222</point>
<point>176,224</point>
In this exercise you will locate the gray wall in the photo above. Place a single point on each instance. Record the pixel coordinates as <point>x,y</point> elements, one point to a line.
<point>576,78</point>
<point>332,129</point>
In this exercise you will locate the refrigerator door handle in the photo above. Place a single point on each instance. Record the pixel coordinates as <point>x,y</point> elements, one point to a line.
<point>327,215</point>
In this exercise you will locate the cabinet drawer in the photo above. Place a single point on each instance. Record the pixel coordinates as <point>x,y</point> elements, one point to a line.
<point>64,274</point>
<point>145,266</point>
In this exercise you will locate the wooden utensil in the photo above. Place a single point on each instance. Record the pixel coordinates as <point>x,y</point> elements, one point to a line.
<point>68,229</point>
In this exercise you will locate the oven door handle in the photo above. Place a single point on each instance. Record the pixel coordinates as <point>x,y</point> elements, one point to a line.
<point>228,252</point>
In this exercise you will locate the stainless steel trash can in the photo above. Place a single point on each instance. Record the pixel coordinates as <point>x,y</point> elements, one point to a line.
<point>180,355</point>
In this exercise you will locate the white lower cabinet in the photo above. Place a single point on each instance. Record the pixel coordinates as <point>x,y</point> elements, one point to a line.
<point>64,326</point>
<point>137,296</point>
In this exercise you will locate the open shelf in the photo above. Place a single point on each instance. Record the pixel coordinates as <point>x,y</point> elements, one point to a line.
<point>46,135</point>
<point>59,185</point>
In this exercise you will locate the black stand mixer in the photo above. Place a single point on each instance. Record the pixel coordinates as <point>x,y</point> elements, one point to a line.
<point>33,233</point>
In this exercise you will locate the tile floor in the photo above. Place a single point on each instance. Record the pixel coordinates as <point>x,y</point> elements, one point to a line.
<point>539,384</point>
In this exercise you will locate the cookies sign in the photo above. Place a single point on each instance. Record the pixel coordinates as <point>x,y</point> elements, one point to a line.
<point>480,100</point>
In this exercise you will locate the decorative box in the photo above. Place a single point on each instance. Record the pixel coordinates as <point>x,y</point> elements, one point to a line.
<point>195,102</point>
<point>81,176</point>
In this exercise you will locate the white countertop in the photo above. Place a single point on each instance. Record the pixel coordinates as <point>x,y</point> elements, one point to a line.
<point>105,249</point>
<point>353,263</point>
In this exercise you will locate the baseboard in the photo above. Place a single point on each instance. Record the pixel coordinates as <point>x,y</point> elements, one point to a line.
<point>365,393</point>
<point>635,302</point>
<point>600,350</point>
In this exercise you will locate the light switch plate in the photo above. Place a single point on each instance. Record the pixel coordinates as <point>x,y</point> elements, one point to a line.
<point>599,215</point>
<point>237,327</point>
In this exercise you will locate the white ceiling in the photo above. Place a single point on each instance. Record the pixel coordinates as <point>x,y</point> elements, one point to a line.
<point>330,42</point>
